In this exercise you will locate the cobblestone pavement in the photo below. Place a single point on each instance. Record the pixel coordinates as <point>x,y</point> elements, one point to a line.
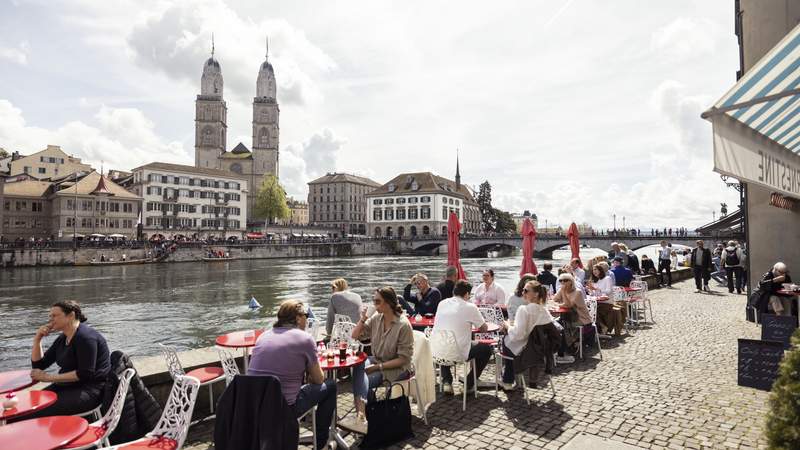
<point>671,385</point>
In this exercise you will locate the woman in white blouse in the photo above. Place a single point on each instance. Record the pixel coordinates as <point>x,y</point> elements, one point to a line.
<point>489,292</point>
<point>529,315</point>
<point>601,287</point>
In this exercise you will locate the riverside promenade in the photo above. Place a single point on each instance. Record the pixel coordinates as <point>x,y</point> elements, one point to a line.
<point>672,385</point>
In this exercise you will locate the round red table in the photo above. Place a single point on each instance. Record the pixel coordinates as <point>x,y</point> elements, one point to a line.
<point>559,310</point>
<point>15,380</point>
<point>788,292</point>
<point>240,339</point>
<point>44,433</point>
<point>331,366</point>
<point>425,322</point>
<point>29,401</point>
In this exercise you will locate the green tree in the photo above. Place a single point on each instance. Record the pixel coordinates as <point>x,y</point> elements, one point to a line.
<point>488,218</point>
<point>783,418</point>
<point>504,222</point>
<point>271,200</point>
<point>3,153</point>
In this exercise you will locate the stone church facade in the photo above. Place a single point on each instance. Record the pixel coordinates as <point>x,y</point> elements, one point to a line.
<point>211,119</point>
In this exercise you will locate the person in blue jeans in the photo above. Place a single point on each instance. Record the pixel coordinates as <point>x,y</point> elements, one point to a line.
<point>288,353</point>
<point>392,341</point>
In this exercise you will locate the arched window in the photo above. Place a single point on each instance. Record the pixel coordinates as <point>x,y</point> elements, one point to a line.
<point>401,231</point>
<point>426,230</point>
<point>444,230</point>
<point>377,231</point>
<point>413,230</point>
<point>388,231</point>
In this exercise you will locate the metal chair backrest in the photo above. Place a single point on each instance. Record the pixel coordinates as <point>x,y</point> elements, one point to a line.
<point>428,332</point>
<point>342,318</point>
<point>228,365</point>
<point>173,363</point>
<point>619,294</point>
<point>591,305</point>
<point>444,348</point>
<point>343,331</point>
<point>492,314</point>
<point>111,418</point>
<point>642,288</point>
<point>177,415</point>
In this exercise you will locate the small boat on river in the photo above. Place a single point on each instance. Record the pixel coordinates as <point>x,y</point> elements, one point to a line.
<point>117,263</point>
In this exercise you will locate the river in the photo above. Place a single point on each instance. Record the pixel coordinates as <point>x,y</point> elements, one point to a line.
<point>189,304</point>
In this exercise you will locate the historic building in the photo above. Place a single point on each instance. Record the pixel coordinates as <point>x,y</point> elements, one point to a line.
<point>299,210</point>
<point>25,209</point>
<point>338,200</point>
<point>419,204</point>
<point>51,162</point>
<point>519,219</point>
<point>192,201</point>
<point>211,128</point>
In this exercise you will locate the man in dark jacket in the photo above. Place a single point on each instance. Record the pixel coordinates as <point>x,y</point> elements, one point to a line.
<point>547,278</point>
<point>446,287</point>
<point>700,262</point>
<point>426,301</point>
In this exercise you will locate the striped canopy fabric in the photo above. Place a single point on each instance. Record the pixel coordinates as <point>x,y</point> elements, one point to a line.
<point>767,98</point>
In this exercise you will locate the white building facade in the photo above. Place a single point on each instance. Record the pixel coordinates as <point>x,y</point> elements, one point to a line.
<point>190,201</point>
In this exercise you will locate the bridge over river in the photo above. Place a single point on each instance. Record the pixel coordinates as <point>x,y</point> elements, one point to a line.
<point>545,244</point>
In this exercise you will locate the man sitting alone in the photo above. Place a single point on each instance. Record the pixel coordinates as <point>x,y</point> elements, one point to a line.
<point>458,315</point>
<point>426,301</point>
<point>288,353</point>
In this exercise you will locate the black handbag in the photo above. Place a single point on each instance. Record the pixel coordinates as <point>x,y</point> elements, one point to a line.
<point>388,420</point>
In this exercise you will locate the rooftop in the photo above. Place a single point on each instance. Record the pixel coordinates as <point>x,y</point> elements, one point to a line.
<point>426,182</point>
<point>89,184</point>
<point>27,188</point>
<point>344,178</point>
<point>189,169</point>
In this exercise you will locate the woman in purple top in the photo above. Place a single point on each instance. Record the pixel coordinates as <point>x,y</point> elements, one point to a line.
<point>288,353</point>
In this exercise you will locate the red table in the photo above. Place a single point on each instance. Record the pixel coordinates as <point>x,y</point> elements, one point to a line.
<point>44,433</point>
<point>559,310</point>
<point>331,366</point>
<point>788,292</point>
<point>29,401</point>
<point>240,339</point>
<point>15,380</point>
<point>425,322</point>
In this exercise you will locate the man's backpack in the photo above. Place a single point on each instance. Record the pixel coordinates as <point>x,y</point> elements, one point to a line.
<point>731,259</point>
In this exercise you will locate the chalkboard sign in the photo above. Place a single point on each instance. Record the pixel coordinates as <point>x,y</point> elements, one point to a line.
<point>758,363</point>
<point>778,328</point>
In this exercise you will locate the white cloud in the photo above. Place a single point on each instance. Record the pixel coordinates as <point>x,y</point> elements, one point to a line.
<point>17,54</point>
<point>120,138</point>
<point>686,38</point>
<point>301,163</point>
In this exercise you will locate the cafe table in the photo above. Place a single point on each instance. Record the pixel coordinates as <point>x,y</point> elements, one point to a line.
<point>240,339</point>
<point>29,402</point>
<point>424,322</point>
<point>43,433</point>
<point>331,366</point>
<point>15,380</point>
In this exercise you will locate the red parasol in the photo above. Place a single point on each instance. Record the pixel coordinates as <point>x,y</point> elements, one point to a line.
<point>528,244</point>
<point>574,243</point>
<point>453,247</point>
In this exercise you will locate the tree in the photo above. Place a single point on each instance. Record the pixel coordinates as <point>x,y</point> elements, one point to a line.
<point>488,218</point>
<point>504,222</point>
<point>783,418</point>
<point>271,200</point>
<point>3,153</point>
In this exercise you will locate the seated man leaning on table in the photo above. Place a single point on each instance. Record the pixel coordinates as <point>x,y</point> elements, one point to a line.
<point>426,300</point>
<point>622,275</point>
<point>772,282</point>
<point>288,353</point>
<point>458,315</point>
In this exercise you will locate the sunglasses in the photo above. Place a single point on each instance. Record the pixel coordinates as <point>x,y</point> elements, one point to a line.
<point>563,281</point>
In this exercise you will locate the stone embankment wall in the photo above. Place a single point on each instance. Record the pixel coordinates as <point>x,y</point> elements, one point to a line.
<point>26,257</point>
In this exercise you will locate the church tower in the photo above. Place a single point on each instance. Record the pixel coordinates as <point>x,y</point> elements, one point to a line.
<point>265,123</point>
<point>211,116</point>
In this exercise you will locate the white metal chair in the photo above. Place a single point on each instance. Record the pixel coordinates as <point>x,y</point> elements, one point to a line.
<point>98,431</point>
<point>171,429</point>
<point>492,315</point>
<point>498,374</point>
<point>229,366</point>
<point>641,301</point>
<point>206,375</point>
<point>342,318</point>
<point>445,352</point>
<point>312,327</point>
<point>343,331</point>
<point>591,305</point>
<point>93,414</point>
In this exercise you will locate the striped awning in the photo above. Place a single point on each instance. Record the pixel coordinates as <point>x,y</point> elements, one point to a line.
<point>767,97</point>
<point>756,132</point>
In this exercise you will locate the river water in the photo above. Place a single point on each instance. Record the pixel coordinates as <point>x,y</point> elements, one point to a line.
<point>189,304</point>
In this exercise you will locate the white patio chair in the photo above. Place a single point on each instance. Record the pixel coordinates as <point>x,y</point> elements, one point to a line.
<point>642,300</point>
<point>498,375</point>
<point>445,352</point>
<point>591,305</point>
<point>171,429</point>
<point>342,318</point>
<point>98,431</point>
<point>492,315</point>
<point>343,331</point>
<point>206,375</point>
<point>229,366</point>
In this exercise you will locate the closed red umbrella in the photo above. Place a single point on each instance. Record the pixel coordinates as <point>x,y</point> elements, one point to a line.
<point>574,243</point>
<point>453,247</point>
<point>528,244</point>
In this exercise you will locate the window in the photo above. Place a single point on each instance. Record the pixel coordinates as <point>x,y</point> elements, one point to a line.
<point>376,214</point>
<point>401,214</point>
<point>26,169</point>
<point>377,201</point>
<point>425,199</point>
<point>412,213</point>
<point>36,206</point>
<point>444,213</point>
<point>425,213</point>
<point>42,170</point>
<point>392,187</point>
<point>401,201</point>
<point>457,202</point>
<point>389,215</point>
<point>426,230</point>
<point>164,179</point>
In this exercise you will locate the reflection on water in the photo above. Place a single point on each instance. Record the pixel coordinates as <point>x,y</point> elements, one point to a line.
<point>189,304</point>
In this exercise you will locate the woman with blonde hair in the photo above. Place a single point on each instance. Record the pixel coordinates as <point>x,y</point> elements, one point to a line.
<point>343,302</point>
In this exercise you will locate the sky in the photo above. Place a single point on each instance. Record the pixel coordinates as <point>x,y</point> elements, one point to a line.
<point>577,110</point>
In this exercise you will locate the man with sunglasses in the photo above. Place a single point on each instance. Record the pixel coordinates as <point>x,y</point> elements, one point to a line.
<point>426,300</point>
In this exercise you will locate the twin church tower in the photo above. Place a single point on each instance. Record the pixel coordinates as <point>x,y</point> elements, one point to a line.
<point>211,129</point>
